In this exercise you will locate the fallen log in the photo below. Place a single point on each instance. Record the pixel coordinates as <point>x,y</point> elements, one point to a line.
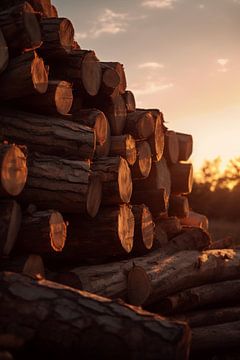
<point>179,206</point>
<point>124,146</point>
<point>170,225</point>
<point>171,148</point>
<point>66,185</point>
<point>121,73</point>
<point>20,28</point>
<point>129,101</point>
<point>157,337</point>
<point>30,265</point>
<point>25,75</point>
<point>196,220</point>
<point>109,82</point>
<point>47,135</point>
<point>143,164</point>
<point>140,124</point>
<point>10,222</point>
<point>181,178</point>
<point>14,171</point>
<point>4,54</point>
<point>182,271</point>
<point>185,143</point>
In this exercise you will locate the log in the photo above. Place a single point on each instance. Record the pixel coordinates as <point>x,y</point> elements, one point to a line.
<point>178,206</point>
<point>140,124</point>
<point>170,225</point>
<point>185,143</point>
<point>4,54</point>
<point>53,12</point>
<point>110,81</point>
<point>30,265</point>
<point>10,222</point>
<point>121,73</point>
<point>143,230</point>
<point>48,230</point>
<point>57,36</point>
<point>156,140</point>
<point>80,67</point>
<point>47,135</point>
<point>95,119</point>
<point>181,178</point>
<point>171,148</point>
<point>155,199</point>
<point>225,243</point>
<point>108,236</point>
<point>125,146</point>
<point>196,220</point>
<point>157,337</point>
<point>182,271</point>
<point>66,185</point>
<point>14,172</point>
<point>129,101</point>
<point>224,292</point>
<point>115,175</point>
<point>20,28</point>
<point>142,166</point>
<point>56,100</point>
<point>116,113</point>
<point>160,236</point>
<point>24,76</point>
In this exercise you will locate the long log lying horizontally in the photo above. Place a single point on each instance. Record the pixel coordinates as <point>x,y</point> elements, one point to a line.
<point>109,82</point>
<point>30,265</point>
<point>171,148</point>
<point>121,73</point>
<point>181,178</point>
<point>47,135</point>
<point>185,142</point>
<point>124,146</point>
<point>96,326</point>
<point>178,206</point>
<point>140,124</point>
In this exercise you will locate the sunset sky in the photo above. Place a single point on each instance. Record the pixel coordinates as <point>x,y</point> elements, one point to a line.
<point>181,56</point>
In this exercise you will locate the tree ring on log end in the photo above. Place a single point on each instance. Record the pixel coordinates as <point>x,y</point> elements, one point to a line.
<point>34,267</point>
<point>14,171</point>
<point>101,127</point>
<point>147,228</point>
<point>139,286</point>
<point>94,196</point>
<point>190,178</point>
<point>124,181</point>
<point>91,73</point>
<point>145,158</point>
<point>63,97</point>
<point>32,26</point>
<point>146,125</point>
<point>58,231</point>
<point>159,139</point>
<point>66,34</point>
<point>172,146</point>
<point>39,75</point>
<point>131,152</point>
<point>126,227</point>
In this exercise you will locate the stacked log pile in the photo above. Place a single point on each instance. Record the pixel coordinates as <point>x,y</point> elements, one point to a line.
<point>93,195</point>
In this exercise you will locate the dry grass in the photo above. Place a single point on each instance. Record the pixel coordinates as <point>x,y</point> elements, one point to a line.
<point>220,229</point>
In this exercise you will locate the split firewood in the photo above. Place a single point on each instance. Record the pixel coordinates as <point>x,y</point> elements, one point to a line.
<point>109,82</point>
<point>29,265</point>
<point>66,185</point>
<point>121,73</point>
<point>185,143</point>
<point>143,164</point>
<point>181,178</point>
<point>47,135</point>
<point>4,54</point>
<point>170,225</point>
<point>140,124</point>
<point>10,222</point>
<point>157,337</point>
<point>129,101</point>
<point>171,148</point>
<point>196,220</point>
<point>14,171</point>
<point>24,76</point>
<point>178,206</point>
<point>124,146</point>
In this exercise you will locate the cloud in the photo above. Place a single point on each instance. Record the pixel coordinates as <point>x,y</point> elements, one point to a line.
<point>151,87</point>
<point>159,4</point>
<point>201,6</point>
<point>151,65</point>
<point>222,63</point>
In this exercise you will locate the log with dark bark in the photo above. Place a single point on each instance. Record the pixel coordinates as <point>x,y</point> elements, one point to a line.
<point>109,82</point>
<point>142,167</point>
<point>143,230</point>
<point>10,222</point>
<point>82,68</point>
<point>185,142</point>
<point>25,75</point>
<point>56,100</point>
<point>13,167</point>
<point>182,271</point>
<point>95,119</point>
<point>124,146</point>
<point>48,135</point>
<point>171,148</point>
<point>226,243</point>
<point>20,28</point>
<point>66,185</point>
<point>155,199</point>
<point>181,178</point>
<point>89,330</point>
<point>140,124</point>
<point>109,235</point>
<point>48,230</point>
<point>196,220</point>
<point>129,101</point>
<point>224,292</point>
<point>30,265</point>
<point>178,206</point>
<point>115,175</point>
<point>42,6</point>
<point>57,36</point>
<point>121,73</point>
<point>171,225</point>
<point>4,54</point>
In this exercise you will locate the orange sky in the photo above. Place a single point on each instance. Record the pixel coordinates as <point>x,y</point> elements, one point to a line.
<point>182,56</point>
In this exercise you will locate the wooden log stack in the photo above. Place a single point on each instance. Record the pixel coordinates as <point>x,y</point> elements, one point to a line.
<point>93,195</point>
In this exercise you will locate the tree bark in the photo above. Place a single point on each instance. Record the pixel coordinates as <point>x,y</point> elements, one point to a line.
<point>181,178</point>
<point>48,230</point>
<point>196,220</point>
<point>121,73</point>
<point>155,199</point>
<point>142,166</point>
<point>115,175</point>
<point>110,81</point>
<point>185,142</point>
<point>116,113</point>
<point>30,265</point>
<point>225,243</point>
<point>20,28</point>
<point>24,76</point>
<point>124,146</point>
<point>66,185</point>
<point>42,6</point>
<point>171,148</point>
<point>14,172</point>
<point>171,225</point>
<point>10,222</point>
<point>140,124</point>
<point>89,330</point>
<point>49,135</point>
<point>129,101</point>
<point>4,54</point>
<point>178,206</point>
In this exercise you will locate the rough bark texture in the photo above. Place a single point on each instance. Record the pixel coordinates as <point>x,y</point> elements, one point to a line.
<point>171,225</point>
<point>178,206</point>
<point>142,167</point>
<point>66,185</point>
<point>4,54</point>
<point>226,243</point>
<point>121,73</point>
<point>185,142</point>
<point>140,124</point>
<point>47,135</point>
<point>116,113</point>
<point>30,265</point>
<point>10,221</point>
<point>181,178</point>
<point>171,148</point>
<point>155,199</point>
<point>124,146</point>
<point>196,220</point>
<point>110,81</point>
<point>42,6</point>
<point>129,101</point>
<point>24,76</point>
<point>96,326</point>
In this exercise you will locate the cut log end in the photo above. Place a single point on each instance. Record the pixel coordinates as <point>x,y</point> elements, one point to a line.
<point>139,286</point>
<point>147,228</point>
<point>91,73</point>
<point>39,75</point>
<point>94,196</point>
<point>172,147</point>
<point>126,227</point>
<point>58,231</point>
<point>131,151</point>
<point>102,130</point>
<point>34,267</point>
<point>4,56</point>
<point>146,125</point>
<point>66,34</point>
<point>32,26</point>
<point>63,97</point>
<point>144,158</point>
<point>158,139</point>
<point>124,181</point>
<point>13,171</point>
